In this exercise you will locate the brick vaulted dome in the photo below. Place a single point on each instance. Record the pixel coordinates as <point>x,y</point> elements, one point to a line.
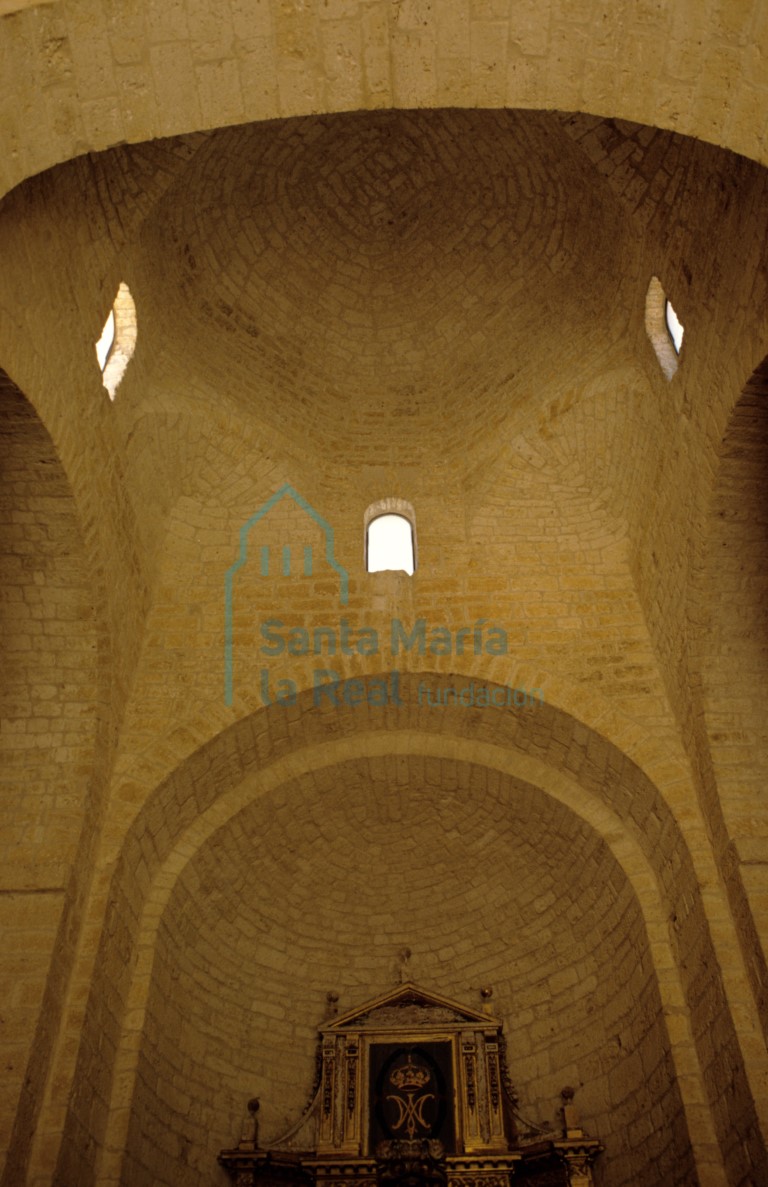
<point>433,261</point>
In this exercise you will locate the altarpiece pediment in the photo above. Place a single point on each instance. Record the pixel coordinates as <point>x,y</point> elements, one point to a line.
<point>412,1090</point>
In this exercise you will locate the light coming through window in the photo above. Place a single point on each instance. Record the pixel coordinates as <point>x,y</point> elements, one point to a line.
<point>390,544</point>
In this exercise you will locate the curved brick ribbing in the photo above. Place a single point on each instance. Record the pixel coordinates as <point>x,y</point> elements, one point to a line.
<point>134,74</point>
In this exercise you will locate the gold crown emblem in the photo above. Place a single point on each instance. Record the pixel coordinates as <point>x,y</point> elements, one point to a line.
<point>409,1076</point>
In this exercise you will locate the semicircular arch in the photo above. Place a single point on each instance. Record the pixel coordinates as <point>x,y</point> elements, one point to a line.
<point>507,779</point>
<point>579,766</point>
<point>411,56</point>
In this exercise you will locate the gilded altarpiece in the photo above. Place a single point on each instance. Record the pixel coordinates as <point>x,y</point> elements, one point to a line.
<point>412,1091</point>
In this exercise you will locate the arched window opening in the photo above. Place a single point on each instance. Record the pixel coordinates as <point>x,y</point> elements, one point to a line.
<point>117,343</point>
<point>663,327</point>
<point>390,544</point>
<point>390,538</point>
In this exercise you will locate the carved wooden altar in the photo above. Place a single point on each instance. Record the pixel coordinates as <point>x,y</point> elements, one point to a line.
<point>412,1090</point>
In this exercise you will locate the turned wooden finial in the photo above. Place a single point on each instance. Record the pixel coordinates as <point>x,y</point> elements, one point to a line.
<point>250,1132</point>
<point>571,1126</point>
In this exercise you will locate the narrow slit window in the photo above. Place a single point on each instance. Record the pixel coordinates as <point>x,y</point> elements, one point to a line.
<point>390,544</point>
<point>106,341</point>
<point>674,326</point>
<point>663,327</point>
<point>117,343</point>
